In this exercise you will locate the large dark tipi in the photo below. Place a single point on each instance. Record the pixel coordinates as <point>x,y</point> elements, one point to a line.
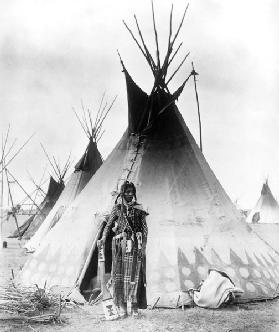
<point>193,225</point>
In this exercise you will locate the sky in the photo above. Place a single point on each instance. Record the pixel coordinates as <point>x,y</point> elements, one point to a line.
<point>56,54</point>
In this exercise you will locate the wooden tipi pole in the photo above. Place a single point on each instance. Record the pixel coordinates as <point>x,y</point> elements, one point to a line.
<point>194,73</point>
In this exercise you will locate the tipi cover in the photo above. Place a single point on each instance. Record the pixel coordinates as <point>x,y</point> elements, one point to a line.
<point>193,225</point>
<point>9,225</point>
<point>33,223</point>
<point>84,169</point>
<point>266,210</point>
<point>264,217</point>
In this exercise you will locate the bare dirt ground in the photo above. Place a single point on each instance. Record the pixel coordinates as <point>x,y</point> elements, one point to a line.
<point>253,317</point>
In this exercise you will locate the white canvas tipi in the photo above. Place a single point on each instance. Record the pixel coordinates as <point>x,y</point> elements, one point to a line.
<point>264,217</point>
<point>266,210</point>
<point>86,167</point>
<point>193,225</point>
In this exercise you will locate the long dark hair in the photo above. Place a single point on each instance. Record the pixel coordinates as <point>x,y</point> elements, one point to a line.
<point>124,187</point>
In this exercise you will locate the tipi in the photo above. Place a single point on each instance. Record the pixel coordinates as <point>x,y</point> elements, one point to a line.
<point>264,217</point>
<point>86,167</point>
<point>33,222</point>
<point>193,225</point>
<point>12,215</point>
<point>11,221</point>
<point>266,210</point>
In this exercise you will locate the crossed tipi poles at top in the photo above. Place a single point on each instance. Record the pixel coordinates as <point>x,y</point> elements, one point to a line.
<point>160,68</point>
<point>161,78</point>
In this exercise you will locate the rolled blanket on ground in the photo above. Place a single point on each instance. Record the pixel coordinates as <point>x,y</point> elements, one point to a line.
<point>216,290</point>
